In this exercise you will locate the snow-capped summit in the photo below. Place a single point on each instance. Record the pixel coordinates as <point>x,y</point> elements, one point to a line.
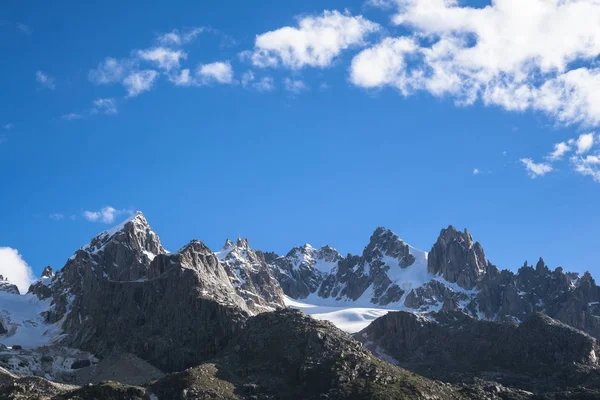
<point>302,270</point>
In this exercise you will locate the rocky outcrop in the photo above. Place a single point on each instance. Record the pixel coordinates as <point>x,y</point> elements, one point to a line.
<point>251,276</point>
<point>183,313</point>
<point>288,355</point>
<point>7,286</point>
<point>457,259</point>
<point>454,346</point>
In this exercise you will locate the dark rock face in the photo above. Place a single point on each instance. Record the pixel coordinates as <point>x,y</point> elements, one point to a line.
<point>455,257</point>
<point>539,353</point>
<point>251,276</point>
<point>184,313</point>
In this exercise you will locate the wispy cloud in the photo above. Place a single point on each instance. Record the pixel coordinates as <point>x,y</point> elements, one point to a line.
<point>45,81</point>
<point>57,216</point>
<point>294,86</point>
<point>180,37</point>
<point>104,106</point>
<point>106,215</point>
<point>476,171</point>
<point>17,25</point>
<point>588,165</point>
<point>536,169</point>
<point>107,106</point>
<point>265,84</point>
<point>23,28</point>
<point>139,82</point>
<point>71,116</point>
<point>8,126</point>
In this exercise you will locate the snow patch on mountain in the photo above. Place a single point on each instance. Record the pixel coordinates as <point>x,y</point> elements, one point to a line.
<point>349,319</point>
<point>20,315</point>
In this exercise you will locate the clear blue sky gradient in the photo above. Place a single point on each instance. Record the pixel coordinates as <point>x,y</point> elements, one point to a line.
<point>322,166</point>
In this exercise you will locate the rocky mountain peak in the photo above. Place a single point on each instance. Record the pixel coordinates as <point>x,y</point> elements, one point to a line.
<point>48,272</point>
<point>457,258</point>
<point>384,242</point>
<point>7,286</point>
<point>250,275</point>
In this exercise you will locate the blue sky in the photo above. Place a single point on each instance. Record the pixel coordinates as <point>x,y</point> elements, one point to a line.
<point>302,121</point>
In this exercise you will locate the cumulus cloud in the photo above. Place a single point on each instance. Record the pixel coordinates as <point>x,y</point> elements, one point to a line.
<point>139,82</point>
<point>44,80</point>
<point>162,57</point>
<point>220,72</point>
<point>106,215</point>
<point>475,54</point>
<point>476,171</point>
<point>536,169</point>
<point>315,42</point>
<point>585,143</point>
<point>13,267</point>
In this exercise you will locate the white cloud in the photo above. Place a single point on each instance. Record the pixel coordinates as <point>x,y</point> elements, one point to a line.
<point>316,42</point>
<point>56,216</point>
<point>265,84</point>
<point>45,80</point>
<point>476,171</point>
<point>383,64</point>
<point>536,169</point>
<point>8,126</point>
<point>585,142</point>
<point>294,86</point>
<point>104,106</point>
<point>139,82</point>
<point>110,70</point>
<point>479,53</point>
<point>183,78</point>
<point>560,149</point>
<point>587,166</point>
<point>164,58</point>
<point>220,72</point>
<point>178,38</point>
<point>15,269</point>
<point>106,215</point>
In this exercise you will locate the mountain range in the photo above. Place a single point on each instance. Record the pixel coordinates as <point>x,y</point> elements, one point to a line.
<point>125,318</point>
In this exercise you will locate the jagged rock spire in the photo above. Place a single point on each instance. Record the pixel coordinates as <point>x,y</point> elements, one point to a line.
<point>457,258</point>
